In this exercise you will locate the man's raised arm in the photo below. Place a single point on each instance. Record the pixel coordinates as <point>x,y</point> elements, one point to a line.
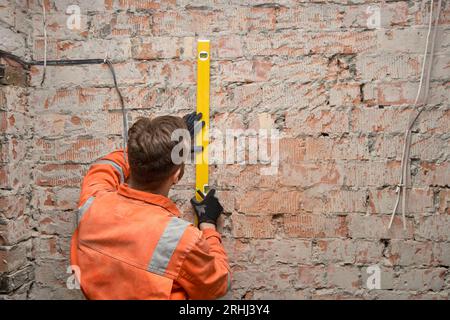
<point>105,174</point>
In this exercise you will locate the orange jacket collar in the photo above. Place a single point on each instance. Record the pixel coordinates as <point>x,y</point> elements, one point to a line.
<point>155,199</point>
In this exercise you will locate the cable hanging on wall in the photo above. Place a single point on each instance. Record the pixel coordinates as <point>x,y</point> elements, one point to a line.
<point>402,187</point>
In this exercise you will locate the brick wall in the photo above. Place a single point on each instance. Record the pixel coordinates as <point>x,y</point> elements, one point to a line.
<point>16,135</point>
<point>339,90</point>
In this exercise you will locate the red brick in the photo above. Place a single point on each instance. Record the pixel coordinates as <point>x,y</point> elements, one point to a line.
<point>252,226</point>
<point>394,66</point>
<point>407,253</point>
<point>292,150</point>
<point>432,174</point>
<point>15,231</point>
<point>270,202</point>
<point>228,47</point>
<point>346,278</point>
<point>317,121</point>
<point>62,223</point>
<point>305,69</point>
<point>444,201</point>
<point>334,201</point>
<point>295,96</point>
<point>348,251</point>
<point>374,173</point>
<point>244,71</point>
<point>176,73</point>
<point>307,174</point>
<point>311,276</point>
<point>60,174</point>
<point>342,148</point>
<point>14,257</point>
<point>418,201</point>
<point>249,19</point>
<point>421,279</point>
<point>436,228</point>
<point>56,198</point>
<point>314,226</point>
<point>13,206</point>
<point>347,94</point>
<point>156,48</point>
<point>376,227</point>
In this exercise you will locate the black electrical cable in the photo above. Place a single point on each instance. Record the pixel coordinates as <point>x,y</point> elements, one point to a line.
<point>18,59</point>
<point>122,104</point>
<point>67,62</point>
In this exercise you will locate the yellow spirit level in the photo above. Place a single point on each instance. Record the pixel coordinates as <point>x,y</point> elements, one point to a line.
<point>202,137</point>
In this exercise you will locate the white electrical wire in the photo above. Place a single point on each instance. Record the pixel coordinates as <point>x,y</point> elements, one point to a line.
<point>44,27</point>
<point>403,185</point>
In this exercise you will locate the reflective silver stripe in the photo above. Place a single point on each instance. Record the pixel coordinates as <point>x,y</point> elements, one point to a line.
<point>167,245</point>
<point>115,165</point>
<point>82,210</point>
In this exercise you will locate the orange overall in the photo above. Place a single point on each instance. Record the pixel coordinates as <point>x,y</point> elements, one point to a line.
<point>131,244</point>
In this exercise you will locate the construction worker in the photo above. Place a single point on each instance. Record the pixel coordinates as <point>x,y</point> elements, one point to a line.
<point>130,242</point>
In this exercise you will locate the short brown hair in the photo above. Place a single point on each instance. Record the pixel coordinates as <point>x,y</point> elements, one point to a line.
<point>149,149</point>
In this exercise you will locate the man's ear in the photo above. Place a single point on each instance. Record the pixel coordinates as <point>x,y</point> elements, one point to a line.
<point>176,177</point>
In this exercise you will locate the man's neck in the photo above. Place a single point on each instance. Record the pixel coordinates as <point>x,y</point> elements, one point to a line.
<point>161,190</point>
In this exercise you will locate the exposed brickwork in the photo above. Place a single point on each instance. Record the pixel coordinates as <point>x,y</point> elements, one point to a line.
<point>340,93</point>
<point>16,165</point>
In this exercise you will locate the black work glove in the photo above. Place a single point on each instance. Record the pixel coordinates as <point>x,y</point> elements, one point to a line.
<point>209,209</point>
<point>191,119</point>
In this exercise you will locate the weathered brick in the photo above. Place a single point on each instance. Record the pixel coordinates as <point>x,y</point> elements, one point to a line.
<point>314,226</point>
<point>317,121</point>
<point>444,201</point>
<point>55,198</point>
<point>348,94</point>
<point>13,206</point>
<point>14,257</point>
<point>59,174</point>
<point>432,174</point>
<point>130,73</point>
<point>436,228</point>
<point>342,148</point>
<point>116,49</point>
<point>12,281</point>
<point>402,93</point>
<point>149,48</point>
<point>376,227</point>
<point>228,47</point>
<point>305,69</point>
<point>80,150</point>
<point>252,226</point>
<point>269,202</point>
<point>423,146</point>
<point>244,71</point>
<point>348,251</point>
<point>109,25</point>
<point>441,254</point>
<point>15,231</point>
<point>418,201</point>
<point>311,276</point>
<point>345,278</point>
<point>294,97</point>
<point>421,279</point>
<point>406,253</point>
<point>334,201</point>
<point>307,174</point>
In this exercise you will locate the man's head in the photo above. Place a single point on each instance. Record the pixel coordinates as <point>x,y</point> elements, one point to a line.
<point>149,152</point>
